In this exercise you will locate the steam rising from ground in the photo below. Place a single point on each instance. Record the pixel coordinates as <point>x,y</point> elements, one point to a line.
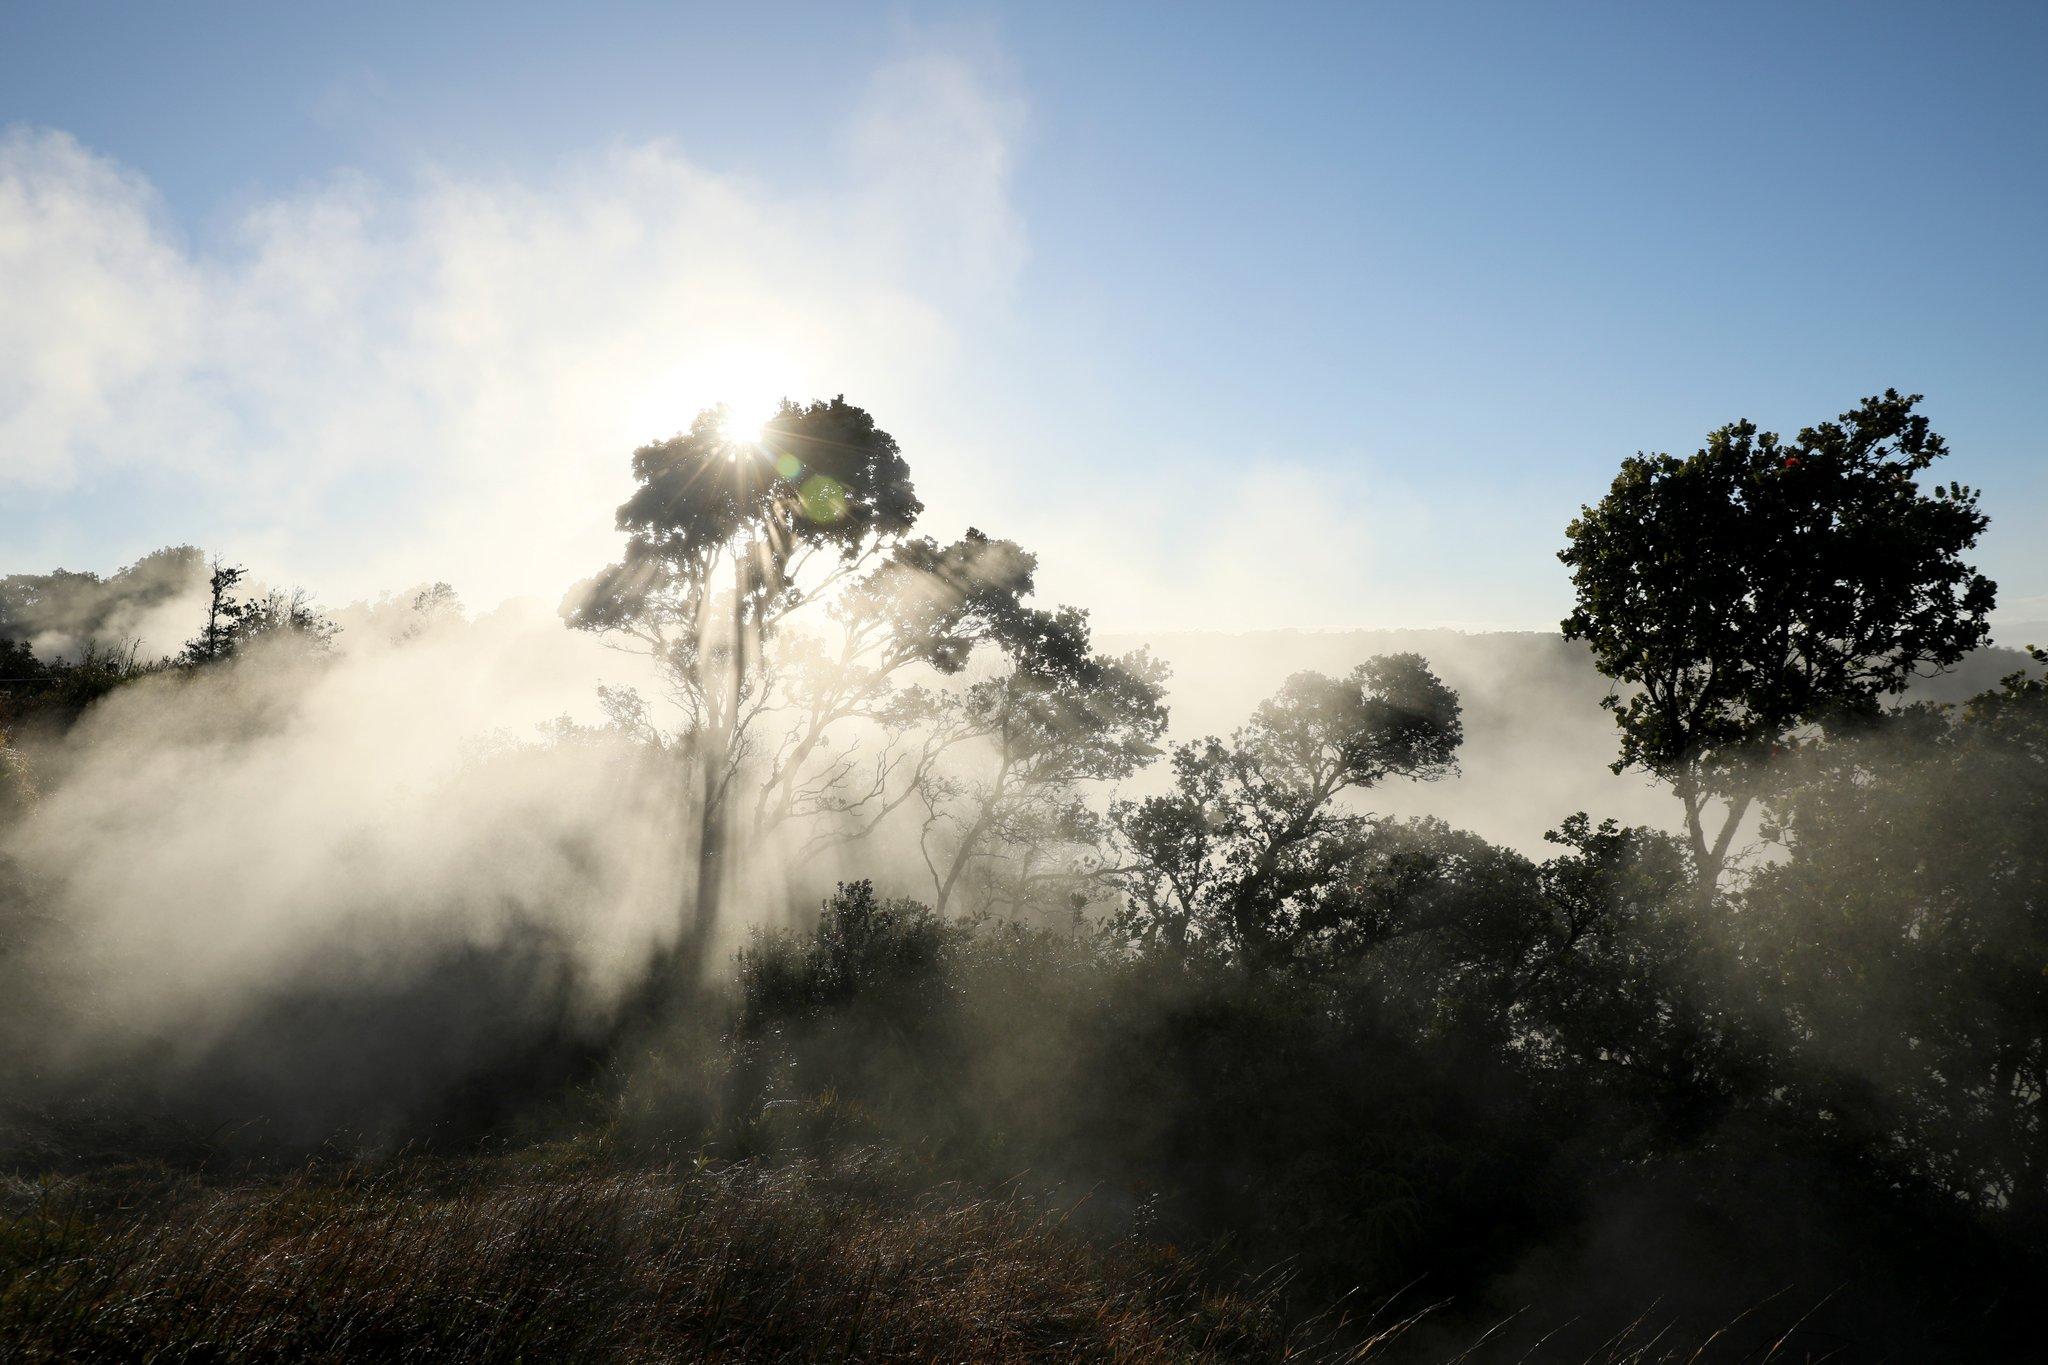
<point>360,829</point>
<point>209,844</point>
<point>328,886</point>
<point>150,605</point>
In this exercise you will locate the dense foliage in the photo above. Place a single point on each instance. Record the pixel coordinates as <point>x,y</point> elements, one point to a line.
<point>1762,585</point>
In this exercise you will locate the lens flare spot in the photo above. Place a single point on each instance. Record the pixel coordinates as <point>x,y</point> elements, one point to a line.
<point>824,499</point>
<point>788,466</point>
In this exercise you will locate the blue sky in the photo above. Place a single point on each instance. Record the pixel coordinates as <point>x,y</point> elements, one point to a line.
<point>1244,315</point>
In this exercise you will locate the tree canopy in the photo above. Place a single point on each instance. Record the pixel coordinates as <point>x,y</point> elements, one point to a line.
<point>1055,715</point>
<point>1760,585</point>
<point>1238,857</point>
<point>822,480</point>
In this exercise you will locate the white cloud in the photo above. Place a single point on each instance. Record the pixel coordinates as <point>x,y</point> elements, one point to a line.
<point>98,301</point>
<point>442,378</point>
<point>368,384</point>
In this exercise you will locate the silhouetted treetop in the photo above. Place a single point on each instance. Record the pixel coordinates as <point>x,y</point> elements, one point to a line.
<point>1390,715</point>
<point>1760,584</point>
<point>821,478</point>
<point>936,602</point>
<point>1250,842</point>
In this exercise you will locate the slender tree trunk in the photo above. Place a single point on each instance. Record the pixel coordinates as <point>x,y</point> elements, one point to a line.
<point>961,857</point>
<point>1709,860</point>
<point>970,841</point>
<point>701,917</point>
<point>1738,807</point>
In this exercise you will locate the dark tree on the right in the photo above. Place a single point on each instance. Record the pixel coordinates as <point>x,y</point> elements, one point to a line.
<point>1763,587</point>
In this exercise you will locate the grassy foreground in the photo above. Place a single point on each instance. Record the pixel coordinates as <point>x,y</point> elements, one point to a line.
<point>544,1256</point>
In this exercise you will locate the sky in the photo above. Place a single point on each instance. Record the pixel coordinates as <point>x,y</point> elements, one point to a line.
<point>1241,316</point>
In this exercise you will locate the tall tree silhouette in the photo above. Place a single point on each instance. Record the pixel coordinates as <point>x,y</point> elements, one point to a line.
<point>224,615</point>
<point>775,582</point>
<point>1763,585</point>
<point>822,485</point>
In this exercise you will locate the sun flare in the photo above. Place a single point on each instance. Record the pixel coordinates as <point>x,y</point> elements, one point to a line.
<point>749,382</point>
<point>744,428</point>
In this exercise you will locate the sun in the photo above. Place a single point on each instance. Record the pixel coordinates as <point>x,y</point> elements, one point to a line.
<point>749,382</point>
<point>744,427</point>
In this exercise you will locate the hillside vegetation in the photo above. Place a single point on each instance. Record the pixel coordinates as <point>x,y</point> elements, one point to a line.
<point>882,969</point>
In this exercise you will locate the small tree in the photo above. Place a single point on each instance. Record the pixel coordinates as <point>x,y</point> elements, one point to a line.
<point>232,623</point>
<point>926,605</point>
<point>286,614</point>
<point>1250,841</point>
<point>1020,746</point>
<point>223,615</point>
<point>1762,585</point>
<point>431,605</point>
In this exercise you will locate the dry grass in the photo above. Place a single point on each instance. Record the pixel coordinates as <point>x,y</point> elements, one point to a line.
<point>563,1253</point>
<point>522,1259</point>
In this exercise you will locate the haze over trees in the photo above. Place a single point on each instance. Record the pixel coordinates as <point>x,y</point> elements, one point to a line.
<point>1003,779</point>
<point>1778,1072</point>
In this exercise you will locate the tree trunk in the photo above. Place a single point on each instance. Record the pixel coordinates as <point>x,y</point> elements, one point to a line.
<point>701,916</point>
<point>970,841</point>
<point>1709,860</point>
<point>964,854</point>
